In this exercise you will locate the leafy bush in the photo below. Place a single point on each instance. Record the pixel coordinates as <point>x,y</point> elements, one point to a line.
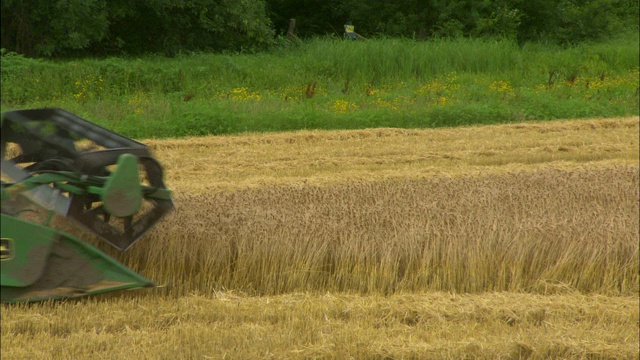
<point>100,27</point>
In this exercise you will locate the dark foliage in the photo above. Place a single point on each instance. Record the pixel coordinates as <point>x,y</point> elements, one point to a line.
<point>59,28</point>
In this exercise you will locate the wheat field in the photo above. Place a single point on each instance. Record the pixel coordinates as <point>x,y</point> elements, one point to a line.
<point>510,241</point>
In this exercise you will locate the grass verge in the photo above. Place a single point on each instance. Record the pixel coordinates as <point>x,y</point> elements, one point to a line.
<point>329,84</point>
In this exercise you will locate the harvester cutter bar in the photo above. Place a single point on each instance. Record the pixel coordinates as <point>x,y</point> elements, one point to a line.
<point>56,140</point>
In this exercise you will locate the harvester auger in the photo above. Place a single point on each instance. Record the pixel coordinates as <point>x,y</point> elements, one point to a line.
<point>54,162</point>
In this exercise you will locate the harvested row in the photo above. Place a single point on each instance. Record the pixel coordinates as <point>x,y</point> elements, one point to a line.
<point>213,164</point>
<point>326,326</point>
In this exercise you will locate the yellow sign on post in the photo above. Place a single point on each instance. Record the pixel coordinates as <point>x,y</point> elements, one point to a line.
<point>349,30</point>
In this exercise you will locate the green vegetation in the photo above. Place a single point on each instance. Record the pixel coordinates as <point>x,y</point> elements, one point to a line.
<point>76,28</point>
<point>333,84</point>
<point>81,28</point>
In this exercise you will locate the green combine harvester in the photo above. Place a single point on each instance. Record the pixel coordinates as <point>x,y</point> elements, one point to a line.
<point>54,162</point>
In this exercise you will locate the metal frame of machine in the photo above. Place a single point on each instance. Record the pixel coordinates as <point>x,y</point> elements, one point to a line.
<point>54,162</point>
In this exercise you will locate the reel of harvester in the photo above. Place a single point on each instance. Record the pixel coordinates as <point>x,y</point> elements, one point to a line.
<point>56,162</point>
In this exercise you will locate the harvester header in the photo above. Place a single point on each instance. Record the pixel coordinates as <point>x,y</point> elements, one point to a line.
<point>54,162</point>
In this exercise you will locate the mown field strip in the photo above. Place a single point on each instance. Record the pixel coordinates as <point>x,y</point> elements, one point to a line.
<point>211,164</point>
<point>326,326</point>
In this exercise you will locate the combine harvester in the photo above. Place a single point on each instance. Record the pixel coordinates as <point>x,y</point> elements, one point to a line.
<point>54,162</point>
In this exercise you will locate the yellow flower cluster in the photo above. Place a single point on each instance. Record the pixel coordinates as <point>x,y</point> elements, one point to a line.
<point>443,100</point>
<point>295,92</point>
<point>243,94</point>
<point>88,87</point>
<point>501,87</point>
<point>440,90</point>
<point>590,87</point>
<point>385,103</point>
<point>374,92</point>
<point>138,101</point>
<point>343,106</point>
<point>433,87</point>
<point>394,104</point>
<point>440,86</point>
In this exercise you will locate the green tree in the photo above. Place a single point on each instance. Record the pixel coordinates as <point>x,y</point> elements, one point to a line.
<point>573,21</point>
<point>314,17</point>
<point>560,21</point>
<point>114,27</point>
<point>171,26</point>
<point>49,27</point>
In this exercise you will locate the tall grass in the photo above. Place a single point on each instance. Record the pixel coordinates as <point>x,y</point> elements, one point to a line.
<point>395,60</point>
<point>382,61</point>
<point>323,82</point>
<point>544,232</point>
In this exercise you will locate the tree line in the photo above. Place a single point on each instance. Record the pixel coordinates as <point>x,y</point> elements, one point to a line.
<point>72,28</point>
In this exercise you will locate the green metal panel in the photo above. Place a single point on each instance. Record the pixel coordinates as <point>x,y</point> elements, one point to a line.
<point>71,268</point>
<point>122,194</point>
<point>26,247</point>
